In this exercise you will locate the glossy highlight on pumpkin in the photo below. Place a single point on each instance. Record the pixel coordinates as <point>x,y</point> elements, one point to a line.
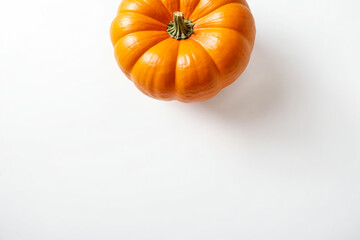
<point>188,70</point>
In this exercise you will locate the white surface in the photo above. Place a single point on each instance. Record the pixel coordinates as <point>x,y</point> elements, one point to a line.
<point>84,155</point>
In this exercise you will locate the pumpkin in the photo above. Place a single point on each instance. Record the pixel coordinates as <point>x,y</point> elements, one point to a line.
<point>185,50</point>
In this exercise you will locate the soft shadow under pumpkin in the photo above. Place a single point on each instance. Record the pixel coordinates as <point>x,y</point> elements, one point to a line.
<point>254,95</point>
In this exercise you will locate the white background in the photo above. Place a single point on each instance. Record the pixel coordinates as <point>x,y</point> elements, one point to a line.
<point>84,155</point>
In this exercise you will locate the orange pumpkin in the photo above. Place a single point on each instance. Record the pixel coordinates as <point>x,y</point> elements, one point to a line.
<point>186,50</point>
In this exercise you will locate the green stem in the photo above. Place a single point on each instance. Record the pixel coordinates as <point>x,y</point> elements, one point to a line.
<point>180,28</point>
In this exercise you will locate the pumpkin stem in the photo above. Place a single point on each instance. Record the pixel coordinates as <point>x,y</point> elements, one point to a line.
<point>180,28</point>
